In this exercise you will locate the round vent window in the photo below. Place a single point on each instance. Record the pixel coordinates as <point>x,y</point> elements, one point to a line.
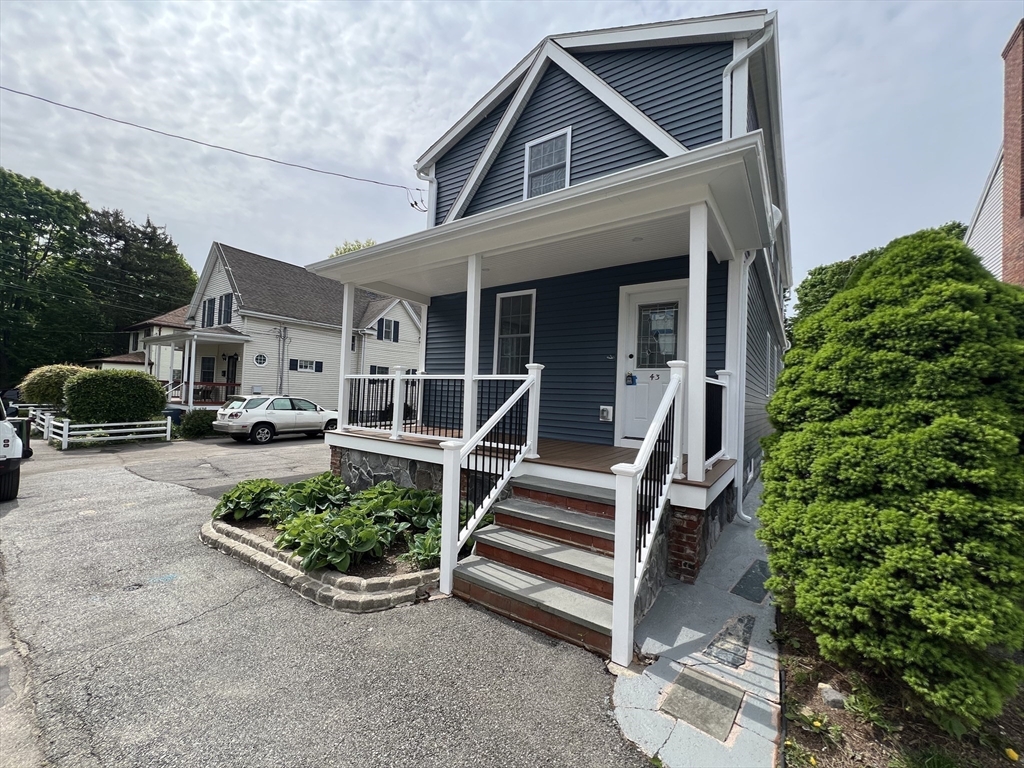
<point>260,360</point>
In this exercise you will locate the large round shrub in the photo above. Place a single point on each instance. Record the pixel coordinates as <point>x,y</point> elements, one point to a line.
<point>894,485</point>
<point>196,424</point>
<point>45,384</point>
<point>96,397</point>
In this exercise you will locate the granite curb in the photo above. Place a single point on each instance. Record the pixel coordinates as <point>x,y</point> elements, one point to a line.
<point>327,588</point>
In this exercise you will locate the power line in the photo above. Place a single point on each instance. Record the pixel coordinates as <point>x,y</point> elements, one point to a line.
<point>81,274</point>
<point>54,294</point>
<point>411,192</point>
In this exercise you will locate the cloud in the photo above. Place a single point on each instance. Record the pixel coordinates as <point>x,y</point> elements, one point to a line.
<point>892,111</point>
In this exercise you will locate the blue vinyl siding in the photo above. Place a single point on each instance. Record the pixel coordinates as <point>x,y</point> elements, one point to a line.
<point>679,88</point>
<point>759,367</point>
<point>575,338</point>
<point>602,142</point>
<point>454,167</point>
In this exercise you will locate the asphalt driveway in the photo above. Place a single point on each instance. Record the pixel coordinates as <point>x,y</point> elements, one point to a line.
<point>138,646</point>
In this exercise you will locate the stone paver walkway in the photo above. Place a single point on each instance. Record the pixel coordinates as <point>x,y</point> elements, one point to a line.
<point>685,619</point>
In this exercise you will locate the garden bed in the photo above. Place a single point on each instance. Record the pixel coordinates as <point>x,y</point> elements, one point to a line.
<point>875,727</point>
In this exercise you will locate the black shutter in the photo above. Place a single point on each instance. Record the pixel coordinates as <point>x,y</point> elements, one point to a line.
<point>318,366</point>
<point>293,365</point>
<point>220,311</point>
<point>229,300</point>
<point>394,331</point>
<point>380,329</point>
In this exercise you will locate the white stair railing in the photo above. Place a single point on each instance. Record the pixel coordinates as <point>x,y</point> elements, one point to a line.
<point>476,471</point>
<point>641,495</point>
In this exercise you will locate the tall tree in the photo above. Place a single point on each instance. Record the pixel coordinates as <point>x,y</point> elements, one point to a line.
<point>352,245</point>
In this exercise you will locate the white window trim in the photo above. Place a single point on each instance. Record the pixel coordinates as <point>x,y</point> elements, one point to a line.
<point>497,323</point>
<point>256,360</point>
<point>388,330</point>
<point>310,369</point>
<point>541,140</point>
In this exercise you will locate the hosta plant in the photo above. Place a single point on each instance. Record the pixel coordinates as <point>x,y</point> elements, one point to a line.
<point>248,499</point>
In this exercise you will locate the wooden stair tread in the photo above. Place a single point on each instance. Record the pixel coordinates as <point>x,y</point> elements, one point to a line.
<point>585,561</point>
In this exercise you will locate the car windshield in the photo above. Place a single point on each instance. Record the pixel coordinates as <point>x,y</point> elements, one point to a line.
<point>254,402</point>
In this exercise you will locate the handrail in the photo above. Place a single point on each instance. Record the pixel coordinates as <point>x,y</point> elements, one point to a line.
<point>500,377</point>
<point>634,536</point>
<point>499,414</point>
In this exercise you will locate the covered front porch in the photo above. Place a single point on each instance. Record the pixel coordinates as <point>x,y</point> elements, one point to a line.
<point>212,369</point>
<point>592,338</point>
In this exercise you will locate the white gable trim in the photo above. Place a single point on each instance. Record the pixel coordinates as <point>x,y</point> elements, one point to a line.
<point>703,29</point>
<point>552,53</point>
<point>204,278</point>
<point>413,314</point>
<point>986,191</point>
<point>379,315</point>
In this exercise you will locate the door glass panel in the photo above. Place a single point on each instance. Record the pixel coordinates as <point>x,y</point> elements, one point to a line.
<point>657,334</point>
<point>281,404</point>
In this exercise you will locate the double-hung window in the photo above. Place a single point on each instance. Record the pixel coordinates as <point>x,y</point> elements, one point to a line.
<point>209,313</point>
<point>225,308</point>
<point>547,164</point>
<point>387,330</point>
<point>513,337</point>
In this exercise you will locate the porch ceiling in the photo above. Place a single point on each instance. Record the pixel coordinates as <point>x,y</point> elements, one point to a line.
<point>636,215</point>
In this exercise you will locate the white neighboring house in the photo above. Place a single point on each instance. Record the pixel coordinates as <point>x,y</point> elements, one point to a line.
<point>258,325</point>
<point>161,363</point>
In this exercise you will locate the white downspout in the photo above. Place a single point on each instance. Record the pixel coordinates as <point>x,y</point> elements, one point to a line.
<point>727,80</point>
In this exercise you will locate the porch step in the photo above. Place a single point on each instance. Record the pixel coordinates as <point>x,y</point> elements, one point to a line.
<point>561,611</point>
<point>588,499</point>
<point>580,568</point>
<point>569,527</point>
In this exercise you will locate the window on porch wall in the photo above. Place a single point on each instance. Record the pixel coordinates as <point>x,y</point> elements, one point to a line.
<point>514,337</point>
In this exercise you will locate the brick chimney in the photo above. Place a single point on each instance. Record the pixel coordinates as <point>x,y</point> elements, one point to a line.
<point>1013,158</point>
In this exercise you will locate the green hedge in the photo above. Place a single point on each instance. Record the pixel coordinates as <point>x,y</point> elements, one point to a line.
<point>45,385</point>
<point>96,397</point>
<point>196,424</point>
<point>894,485</point>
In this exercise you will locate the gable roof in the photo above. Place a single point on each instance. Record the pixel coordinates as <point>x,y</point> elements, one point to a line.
<point>272,287</point>
<point>173,319</point>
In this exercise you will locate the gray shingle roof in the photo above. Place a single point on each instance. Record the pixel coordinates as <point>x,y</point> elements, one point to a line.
<point>173,319</point>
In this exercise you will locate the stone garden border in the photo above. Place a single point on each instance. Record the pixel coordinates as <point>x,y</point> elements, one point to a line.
<point>327,588</point>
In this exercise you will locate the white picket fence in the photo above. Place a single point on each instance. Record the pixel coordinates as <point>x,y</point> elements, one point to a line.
<point>67,433</point>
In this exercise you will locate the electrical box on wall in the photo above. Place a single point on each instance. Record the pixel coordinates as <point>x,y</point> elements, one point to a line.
<point>257,390</point>
<point>605,413</point>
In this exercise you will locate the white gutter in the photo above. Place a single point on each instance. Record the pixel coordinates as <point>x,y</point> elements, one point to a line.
<point>727,79</point>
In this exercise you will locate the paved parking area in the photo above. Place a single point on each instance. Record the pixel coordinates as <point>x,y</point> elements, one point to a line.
<point>131,644</point>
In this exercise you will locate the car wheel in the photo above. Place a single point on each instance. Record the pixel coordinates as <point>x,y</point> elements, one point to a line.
<point>332,424</point>
<point>9,483</point>
<point>262,434</point>
<point>239,438</point>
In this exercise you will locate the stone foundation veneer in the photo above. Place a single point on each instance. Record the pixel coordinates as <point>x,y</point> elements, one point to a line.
<point>362,469</point>
<point>693,532</point>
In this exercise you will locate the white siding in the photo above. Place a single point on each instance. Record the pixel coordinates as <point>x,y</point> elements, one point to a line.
<point>161,356</point>
<point>216,287</point>
<point>405,353</point>
<point>985,237</point>
<point>304,342</point>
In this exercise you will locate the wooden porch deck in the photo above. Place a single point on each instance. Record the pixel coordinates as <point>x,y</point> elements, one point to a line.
<point>564,453</point>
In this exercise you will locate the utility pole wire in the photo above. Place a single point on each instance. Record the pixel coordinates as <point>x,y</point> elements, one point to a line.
<point>409,190</point>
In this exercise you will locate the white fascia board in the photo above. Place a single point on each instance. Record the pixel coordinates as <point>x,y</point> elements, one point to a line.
<point>379,315</point>
<point>199,334</point>
<point>773,74</point>
<point>501,132</point>
<point>483,107</point>
<point>723,27</point>
<point>283,319</point>
<point>411,311</point>
<point>748,149</point>
<point>615,101</point>
<point>204,278</point>
<point>985,192</point>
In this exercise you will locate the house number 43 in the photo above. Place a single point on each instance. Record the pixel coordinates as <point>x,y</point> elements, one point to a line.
<point>655,377</point>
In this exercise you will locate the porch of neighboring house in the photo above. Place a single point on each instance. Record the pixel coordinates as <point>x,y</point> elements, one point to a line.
<point>580,385</point>
<point>212,368</point>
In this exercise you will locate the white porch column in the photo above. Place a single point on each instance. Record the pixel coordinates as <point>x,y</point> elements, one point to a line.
<point>347,308</point>
<point>734,342</point>
<point>191,371</point>
<point>146,358</point>
<point>696,341</point>
<point>472,364</point>
<point>159,361</point>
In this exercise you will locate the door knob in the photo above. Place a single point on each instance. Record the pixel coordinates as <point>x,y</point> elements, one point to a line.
<point>631,357</point>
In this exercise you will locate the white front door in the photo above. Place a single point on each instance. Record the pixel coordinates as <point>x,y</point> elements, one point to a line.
<point>652,331</point>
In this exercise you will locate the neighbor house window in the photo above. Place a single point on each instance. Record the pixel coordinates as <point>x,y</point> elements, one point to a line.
<point>513,336</point>
<point>306,365</point>
<point>206,366</point>
<point>209,313</point>
<point>353,343</point>
<point>224,309</point>
<point>547,164</point>
<point>387,330</point>
<point>378,370</point>
<point>147,332</point>
<point>260,360</point>
<point>135,341</point>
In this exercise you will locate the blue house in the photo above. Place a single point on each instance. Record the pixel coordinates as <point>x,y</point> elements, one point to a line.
<point>603,269</point>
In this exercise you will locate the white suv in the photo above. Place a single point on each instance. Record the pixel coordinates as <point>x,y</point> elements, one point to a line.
<point>260,417</point>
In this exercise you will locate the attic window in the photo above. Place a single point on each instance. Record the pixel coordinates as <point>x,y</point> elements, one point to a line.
<point>547,164</point>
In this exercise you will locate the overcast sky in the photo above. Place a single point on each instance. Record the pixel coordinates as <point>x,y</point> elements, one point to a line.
<point>892,111</point>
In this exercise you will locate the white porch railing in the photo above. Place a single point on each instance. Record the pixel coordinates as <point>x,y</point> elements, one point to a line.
<point>641,495</point>
<point>716,416</point>
<point>476,471</point>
